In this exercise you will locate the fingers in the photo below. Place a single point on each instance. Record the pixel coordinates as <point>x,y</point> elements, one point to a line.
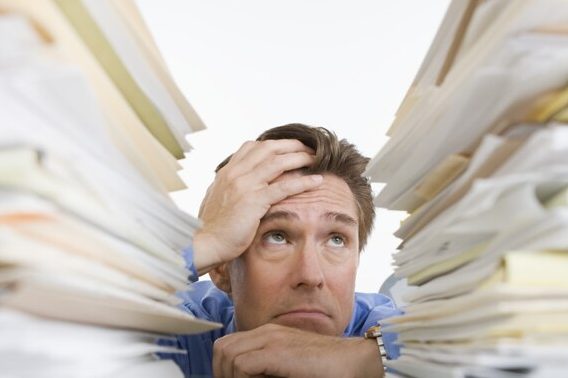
<point>290,186</point>
<point>275,165</point>
<point>251,364</point>
<point>227,351</point>
<point>243,151</point>
<point>252,154</point>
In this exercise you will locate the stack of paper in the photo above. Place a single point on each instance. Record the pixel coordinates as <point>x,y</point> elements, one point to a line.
<point>91,125</point>
<point>33,347</point>
<point>146,115</point>
<point>512,54</point>
<point>479,157</point>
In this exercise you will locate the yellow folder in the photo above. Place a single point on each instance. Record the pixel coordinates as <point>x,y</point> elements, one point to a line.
<point>124,126</point>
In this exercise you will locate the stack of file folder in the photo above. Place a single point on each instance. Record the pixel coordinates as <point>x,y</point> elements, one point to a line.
<point>91,245</point>
<point>478,155</point>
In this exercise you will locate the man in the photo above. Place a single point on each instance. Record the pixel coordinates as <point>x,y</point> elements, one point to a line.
<point>283,225</point>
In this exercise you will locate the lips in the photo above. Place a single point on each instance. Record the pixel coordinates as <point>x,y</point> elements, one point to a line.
<point>305,313</point>
<point>309,318</point>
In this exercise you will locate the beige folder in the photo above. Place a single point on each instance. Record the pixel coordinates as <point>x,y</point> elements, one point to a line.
<point>125,128</point>
<point>103,52</point>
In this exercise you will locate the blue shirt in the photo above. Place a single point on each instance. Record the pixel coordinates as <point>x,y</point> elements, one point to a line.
<point>207,302</point>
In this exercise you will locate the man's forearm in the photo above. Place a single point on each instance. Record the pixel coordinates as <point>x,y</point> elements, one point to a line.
<point>276,350</point>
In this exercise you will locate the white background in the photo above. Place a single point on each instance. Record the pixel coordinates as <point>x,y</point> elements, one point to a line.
<point>249,65</point>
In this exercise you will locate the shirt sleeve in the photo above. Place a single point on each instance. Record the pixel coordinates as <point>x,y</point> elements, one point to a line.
<point>204,301</point>
<point>187,255</point>
<point>368,311</point>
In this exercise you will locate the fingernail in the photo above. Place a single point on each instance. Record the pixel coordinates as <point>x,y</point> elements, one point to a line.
<point>317,178</point>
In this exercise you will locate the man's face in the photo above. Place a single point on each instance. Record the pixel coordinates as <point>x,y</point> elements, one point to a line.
<point>300,269</point>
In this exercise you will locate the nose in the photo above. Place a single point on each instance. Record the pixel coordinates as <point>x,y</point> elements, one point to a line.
<point>308,272</point>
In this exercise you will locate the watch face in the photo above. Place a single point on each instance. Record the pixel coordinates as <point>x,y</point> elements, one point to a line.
<point>373,332</point>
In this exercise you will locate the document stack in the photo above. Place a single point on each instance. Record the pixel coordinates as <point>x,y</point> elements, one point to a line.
<point>478,155</point>
<point>91,128</point>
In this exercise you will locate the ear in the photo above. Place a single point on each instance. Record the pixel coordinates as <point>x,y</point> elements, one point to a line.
<point>221,277</point>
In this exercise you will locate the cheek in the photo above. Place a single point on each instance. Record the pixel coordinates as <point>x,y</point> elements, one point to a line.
<point>342,285</point>
<point>345,272</point>
<point>254,277</point>
<point>255,290</point>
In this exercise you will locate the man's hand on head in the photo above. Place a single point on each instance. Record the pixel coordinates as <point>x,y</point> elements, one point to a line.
<point>242,193</point>
<point>274,350</point>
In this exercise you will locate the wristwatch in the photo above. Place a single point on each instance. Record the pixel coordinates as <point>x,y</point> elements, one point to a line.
<point>374,332</point>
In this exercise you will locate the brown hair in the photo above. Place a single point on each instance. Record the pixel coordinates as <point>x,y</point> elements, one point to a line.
<point>334,156</point>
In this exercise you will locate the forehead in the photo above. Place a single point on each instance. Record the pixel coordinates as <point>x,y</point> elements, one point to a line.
<point>333,195</point>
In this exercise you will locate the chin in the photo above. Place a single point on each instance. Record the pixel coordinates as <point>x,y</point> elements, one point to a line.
<point>310,325</point>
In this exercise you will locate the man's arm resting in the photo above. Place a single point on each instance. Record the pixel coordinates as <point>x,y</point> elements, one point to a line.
<point>287,352</point>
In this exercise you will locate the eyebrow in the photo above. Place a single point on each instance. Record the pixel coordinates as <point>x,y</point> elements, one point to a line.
<point>331,215</point>
<point>340,217</point>
<point>279,215</point>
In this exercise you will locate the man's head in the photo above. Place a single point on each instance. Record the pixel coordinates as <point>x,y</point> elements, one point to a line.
<point>300,268</point>
<point>336,157</point>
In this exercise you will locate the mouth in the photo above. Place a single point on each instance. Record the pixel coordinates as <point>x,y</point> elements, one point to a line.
<point>313,314</point>
<point>308,319</point>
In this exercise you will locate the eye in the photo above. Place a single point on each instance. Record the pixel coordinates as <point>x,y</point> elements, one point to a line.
<point>275,237</point>
<point>337,240</point>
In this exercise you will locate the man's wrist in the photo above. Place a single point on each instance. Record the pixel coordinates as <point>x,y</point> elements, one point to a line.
<point>374,333</point>
<point>205,256</point>
<point>369,362</point>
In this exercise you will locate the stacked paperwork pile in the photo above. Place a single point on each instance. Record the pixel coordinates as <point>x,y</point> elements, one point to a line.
<point>478,155</point>
<point>90,243</point>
